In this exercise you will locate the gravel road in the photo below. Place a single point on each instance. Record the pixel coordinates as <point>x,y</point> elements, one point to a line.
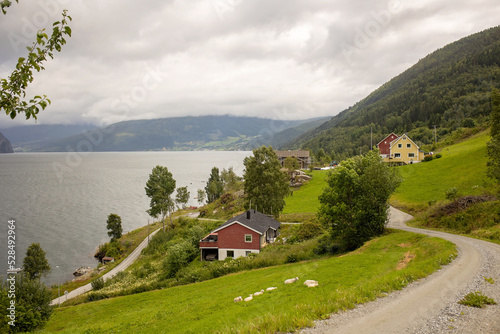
<point>430,304</point>
<point>122,266</point>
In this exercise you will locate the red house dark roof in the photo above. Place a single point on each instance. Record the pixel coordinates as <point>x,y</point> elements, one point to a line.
<point>253,220</point>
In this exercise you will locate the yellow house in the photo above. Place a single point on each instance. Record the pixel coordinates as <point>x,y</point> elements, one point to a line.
<point>404,151</point>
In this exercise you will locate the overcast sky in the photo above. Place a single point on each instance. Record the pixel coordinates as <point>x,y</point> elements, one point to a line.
<point>281,59</point>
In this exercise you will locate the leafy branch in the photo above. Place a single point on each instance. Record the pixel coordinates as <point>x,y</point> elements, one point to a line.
<point>5,4</point>
<point>13,89</point>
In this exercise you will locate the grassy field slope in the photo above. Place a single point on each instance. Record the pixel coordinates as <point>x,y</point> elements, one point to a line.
<point>208,307</point>
<point>306,199</point>
<point>462,166</point>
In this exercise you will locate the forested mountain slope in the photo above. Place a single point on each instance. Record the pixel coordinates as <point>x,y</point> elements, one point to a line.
<point>449,89</point>
<point>180,133</point>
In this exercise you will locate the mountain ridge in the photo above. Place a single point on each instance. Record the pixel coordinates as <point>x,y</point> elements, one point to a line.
<point>449,88</point>
<point>183,133</point>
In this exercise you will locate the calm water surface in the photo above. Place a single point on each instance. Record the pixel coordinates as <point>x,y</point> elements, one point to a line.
<point>62,201</point>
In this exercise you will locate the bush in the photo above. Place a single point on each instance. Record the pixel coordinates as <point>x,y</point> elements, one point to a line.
<point>305,231</point>
<point>451,194</point>
<point>439,155</point>
<point>32,304</point>
<point>327,245</point>
<point>179,256</point>
<point>291,258</point>
<point>97,284</point>
<point>428,158</point>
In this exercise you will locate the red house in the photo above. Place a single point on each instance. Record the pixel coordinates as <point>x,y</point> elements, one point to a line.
<point>239,236</point>
<point>385,145</point>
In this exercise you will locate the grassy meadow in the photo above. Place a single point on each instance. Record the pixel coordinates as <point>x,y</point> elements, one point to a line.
<point>462,166</point>
<point>208,307</point>
<point>304,203</point>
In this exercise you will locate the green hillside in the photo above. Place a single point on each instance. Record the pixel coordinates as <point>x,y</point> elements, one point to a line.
<point>462,166</point>
<point>473,211</point>
<point>449,89</point>
<point>208,307</point>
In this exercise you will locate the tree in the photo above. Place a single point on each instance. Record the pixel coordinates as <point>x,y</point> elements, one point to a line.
<point>182,196</point>
<point>35,264</point>
<point>13,89</point>
<point>355,204</point>
<point>32,304</point>
<point>201,196</point>
<point>265,184</point>
<point>493,145</point>
<point>159,188</point>
<point>291,164</point>
<point>215,186</point>
<point>231,181</point>
<point>114,226</point>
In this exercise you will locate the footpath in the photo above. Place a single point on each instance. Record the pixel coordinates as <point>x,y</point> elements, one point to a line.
<point>120,267</point>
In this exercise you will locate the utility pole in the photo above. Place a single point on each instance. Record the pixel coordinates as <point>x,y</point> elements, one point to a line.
<point>371,138</point>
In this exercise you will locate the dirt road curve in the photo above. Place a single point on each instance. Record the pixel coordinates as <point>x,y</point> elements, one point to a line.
<point>122,266</point>
<point>430,305</point>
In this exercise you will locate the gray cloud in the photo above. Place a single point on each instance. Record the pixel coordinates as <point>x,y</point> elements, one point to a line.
<point>282,58</point>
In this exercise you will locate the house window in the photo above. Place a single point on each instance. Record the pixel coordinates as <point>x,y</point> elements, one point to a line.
<point>397,155</point>
<point>400,145</point>
<point>411,155</point>
<point>248,238</point>
<point>248,253</point>
<point>230,254</point>
<point>408,145</point>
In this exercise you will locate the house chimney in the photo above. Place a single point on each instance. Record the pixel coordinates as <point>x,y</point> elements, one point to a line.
<point>248,214</point>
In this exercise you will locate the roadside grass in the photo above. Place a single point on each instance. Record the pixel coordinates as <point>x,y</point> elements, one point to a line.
<point>476,299</point>
<point>305,199</point>
<point>208,307</point>
<point>479,221</point>
<point>462,166</point>
<point>128,241</point>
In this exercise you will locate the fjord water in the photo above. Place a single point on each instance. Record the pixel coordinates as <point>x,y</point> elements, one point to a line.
<point>62,200</point>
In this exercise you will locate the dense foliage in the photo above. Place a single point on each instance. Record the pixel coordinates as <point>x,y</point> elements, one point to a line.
<point>32,304</point>
<point>449,89</point>
<point>355,206</point>
<point>114,226</point>
<point>35,264</point>
<point>494,143</point>
<point>182,197</point>
<point>159,188</point>
<point>265,184</point>
<point>215,185</point>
